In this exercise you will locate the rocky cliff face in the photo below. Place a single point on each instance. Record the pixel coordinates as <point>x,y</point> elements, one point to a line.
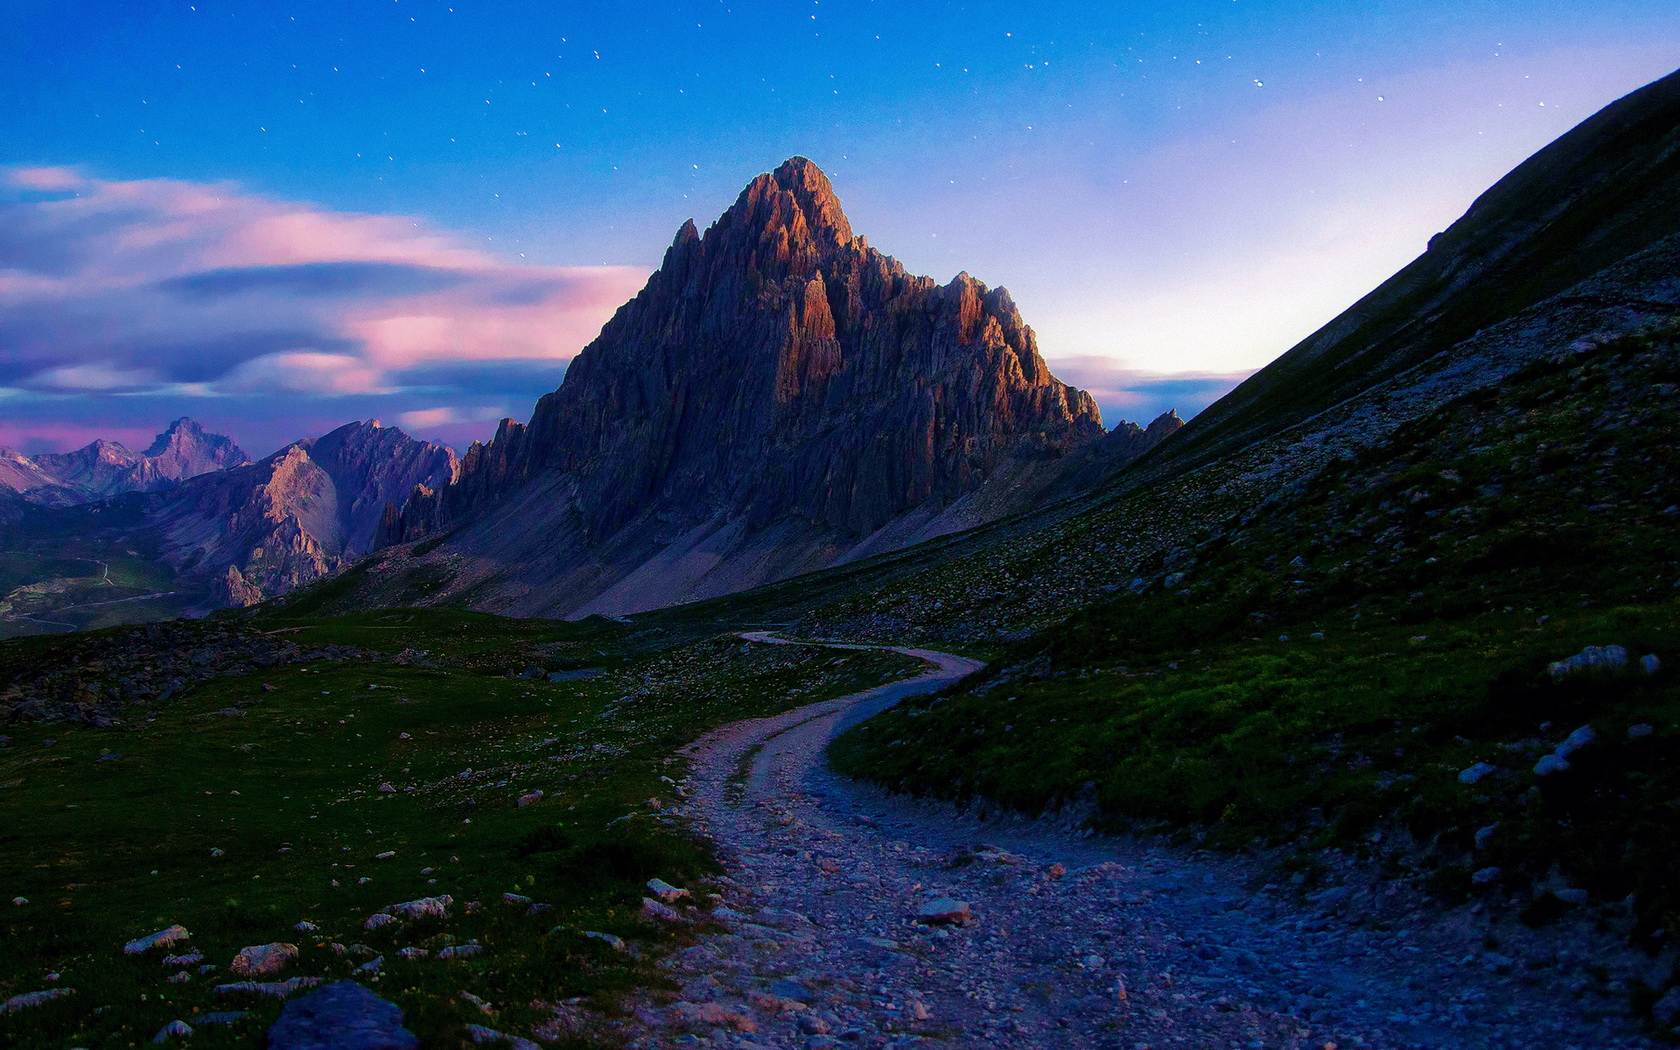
<point>266,528</point>
<point>107,468</point>
<point>778,394</point>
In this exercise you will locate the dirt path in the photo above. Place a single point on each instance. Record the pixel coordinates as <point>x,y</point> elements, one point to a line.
<point>1071,942</point>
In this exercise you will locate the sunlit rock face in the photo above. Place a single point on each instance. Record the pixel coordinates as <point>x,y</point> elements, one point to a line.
<point>780,396</point>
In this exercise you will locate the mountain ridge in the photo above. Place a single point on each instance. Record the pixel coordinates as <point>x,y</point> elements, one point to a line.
<point>779,396</point>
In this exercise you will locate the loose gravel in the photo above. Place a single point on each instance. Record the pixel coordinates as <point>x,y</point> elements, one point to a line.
<point>850,918</point>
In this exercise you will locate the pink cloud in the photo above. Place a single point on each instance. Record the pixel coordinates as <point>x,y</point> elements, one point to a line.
<point>156,290</point>
<point>460,325</point>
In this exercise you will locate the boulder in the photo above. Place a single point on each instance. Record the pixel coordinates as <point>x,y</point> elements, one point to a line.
<point>945,911</point>
<point>342,1016</point>
<point>161,939</point>
<point>260,960</point>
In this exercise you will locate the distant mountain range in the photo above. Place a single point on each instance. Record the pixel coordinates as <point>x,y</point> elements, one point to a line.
<point>107,468</point>
<point>203,539</point>
<point>782,398</point>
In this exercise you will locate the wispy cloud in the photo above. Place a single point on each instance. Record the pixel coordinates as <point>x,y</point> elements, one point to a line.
<point>1138,395</point>
<point>118,295</point>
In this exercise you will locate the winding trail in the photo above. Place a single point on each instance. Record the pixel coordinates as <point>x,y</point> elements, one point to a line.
<point>1073,942</point>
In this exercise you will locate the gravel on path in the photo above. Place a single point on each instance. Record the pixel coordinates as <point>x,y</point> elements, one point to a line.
<point>849,918</point>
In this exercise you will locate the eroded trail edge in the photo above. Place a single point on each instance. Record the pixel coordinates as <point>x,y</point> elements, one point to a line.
<point>849,918</point>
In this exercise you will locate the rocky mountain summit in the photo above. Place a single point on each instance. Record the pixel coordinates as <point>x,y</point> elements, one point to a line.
<point>108,468</point>
<point>224,537</point>
<point>309,509</point>
<point>780,396</point>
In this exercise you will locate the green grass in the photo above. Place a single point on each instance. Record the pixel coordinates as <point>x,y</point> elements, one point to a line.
<point>1442,571</point>
<point>287,790</point>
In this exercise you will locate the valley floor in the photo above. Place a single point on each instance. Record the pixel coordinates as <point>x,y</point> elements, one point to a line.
<point>1070,941</point>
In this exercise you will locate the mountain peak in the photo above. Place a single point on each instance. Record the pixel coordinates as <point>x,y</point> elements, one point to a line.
<point>794,209</point>
<point>183,429</point>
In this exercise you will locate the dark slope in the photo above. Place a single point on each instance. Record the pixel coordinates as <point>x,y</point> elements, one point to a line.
<point>1603,192</point>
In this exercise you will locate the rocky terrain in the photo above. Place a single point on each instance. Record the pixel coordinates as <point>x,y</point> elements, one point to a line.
<point>852,919</point>
<point>106,468</point>
<point>223,538</point>
<point>780,397</point>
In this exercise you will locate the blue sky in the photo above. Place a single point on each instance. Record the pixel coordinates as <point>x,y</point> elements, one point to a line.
<point>1174,192</point>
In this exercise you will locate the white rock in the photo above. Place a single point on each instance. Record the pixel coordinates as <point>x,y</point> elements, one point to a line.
<point>28,999</point>
<point>260,960</point>
<point>161,939</point>
<point>665,891</point>
<point>944,911</point>
<point>173,1030</point>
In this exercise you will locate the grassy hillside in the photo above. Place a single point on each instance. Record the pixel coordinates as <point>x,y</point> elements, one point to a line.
<point>325,790</point>
<point>1320,672</point>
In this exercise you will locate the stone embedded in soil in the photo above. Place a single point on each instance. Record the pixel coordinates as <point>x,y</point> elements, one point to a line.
<point>944,911</point>
<point>654,911</point>
<point>342,1016</point>
<point>28,999</point>
<point>270,989</point>
<point>260,960</point>
<point>426,907</point>
<point>665,891</point>
<point>161,939</point>
<point>173,1030</point>
<point>460,951</point>
<point>481,1034</point>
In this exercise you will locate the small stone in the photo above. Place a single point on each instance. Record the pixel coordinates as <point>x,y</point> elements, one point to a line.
<point>377,920</point>
<point>665,891</point>
<point>184,959</point>
<point>481,1034</point>
<point>260,960</point>
<point>1666,1011</point>
<point>1575,741</point>
<point>28,999</point>
<point>1476,772</point>
<point>269,989</point>
<point>20,901</point>
<point>161,939</point>
<point>412,952</point>
<point>1649,664</point>
<point>1484,835</point>
<point>373,965</point>
<point>460,951</point>
<point>386,788</point>
<point>1635,732</point>
<point>1550,764</point>
<point>517,899</point>
<point>654,911</point>
<point>342,1015</point>
<point>527,799</point>
<point>306,927</point>
<point>944,911</point>
<point>611,941</point>
<point>173,1030</point>
<point>789,988</point>
<point>1571,895</point>
<point>1485,876</point>
<point>423,908</point>
<point>387,855</point>
<point>1592,658</point>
